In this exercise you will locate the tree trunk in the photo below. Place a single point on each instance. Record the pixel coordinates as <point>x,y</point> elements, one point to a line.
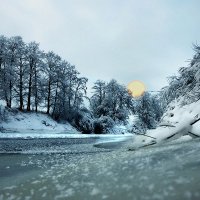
<point>55,101</point>
<point>49,96</point>
<point>29,87</point>
<point>36,91</point>
<point>21,103</point>
<point>10,97</point>
<point>5,90</point>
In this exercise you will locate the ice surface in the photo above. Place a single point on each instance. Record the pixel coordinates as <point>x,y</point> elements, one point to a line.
<point>167,171</point>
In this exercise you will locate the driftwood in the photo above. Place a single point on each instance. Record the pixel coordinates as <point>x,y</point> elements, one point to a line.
<point>171,136</point>
<point>195,122</point>
<point>146,145</point>
<point>189,133</point>
<point>193,134</point>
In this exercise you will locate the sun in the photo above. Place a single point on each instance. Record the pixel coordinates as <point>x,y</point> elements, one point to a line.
<point>136,88</point>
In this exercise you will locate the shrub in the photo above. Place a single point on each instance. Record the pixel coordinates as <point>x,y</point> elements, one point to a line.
<point>103,124</point>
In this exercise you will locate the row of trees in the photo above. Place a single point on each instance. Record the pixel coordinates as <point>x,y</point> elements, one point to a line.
<point>34,80</point>
<point>111,102</point>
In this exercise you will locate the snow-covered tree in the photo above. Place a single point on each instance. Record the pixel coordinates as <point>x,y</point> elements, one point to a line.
<point>148,111</point>
<point>52,63</point>
<point>96,101</point>
<point>83,120</point>
<point>111,100</point>
<point>4,73</point>
<point>70,92</point>
<point>21,74</point>
<point>33,79</point>
<point>186,83</point>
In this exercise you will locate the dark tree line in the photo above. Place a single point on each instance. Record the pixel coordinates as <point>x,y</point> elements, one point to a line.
<point>34,80</point>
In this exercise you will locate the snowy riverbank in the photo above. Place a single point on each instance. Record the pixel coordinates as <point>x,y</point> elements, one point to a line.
<point>22,122</point>
<point>16,124</point>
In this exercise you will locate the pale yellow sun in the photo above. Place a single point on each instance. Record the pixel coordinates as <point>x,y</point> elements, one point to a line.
<point>136,88</point>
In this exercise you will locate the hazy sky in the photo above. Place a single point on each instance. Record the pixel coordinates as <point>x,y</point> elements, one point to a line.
<point>146,40</point>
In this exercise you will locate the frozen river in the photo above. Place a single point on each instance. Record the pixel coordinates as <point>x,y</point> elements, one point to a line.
<point>76,169</point>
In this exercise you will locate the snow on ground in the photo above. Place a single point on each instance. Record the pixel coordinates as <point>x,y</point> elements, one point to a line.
<point>182,116</point>
<point>178,113</point>
<point>34,123</point>
<point>176,122</point>
<point>28,134</point>
<point>124,129</point>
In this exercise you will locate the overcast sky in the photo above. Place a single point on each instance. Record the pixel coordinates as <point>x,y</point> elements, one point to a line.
<point>146,40</point>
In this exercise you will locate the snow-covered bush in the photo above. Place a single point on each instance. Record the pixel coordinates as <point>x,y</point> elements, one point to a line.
<point>83,121</point>
<point>103,124</point>
<point>138,127</point>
